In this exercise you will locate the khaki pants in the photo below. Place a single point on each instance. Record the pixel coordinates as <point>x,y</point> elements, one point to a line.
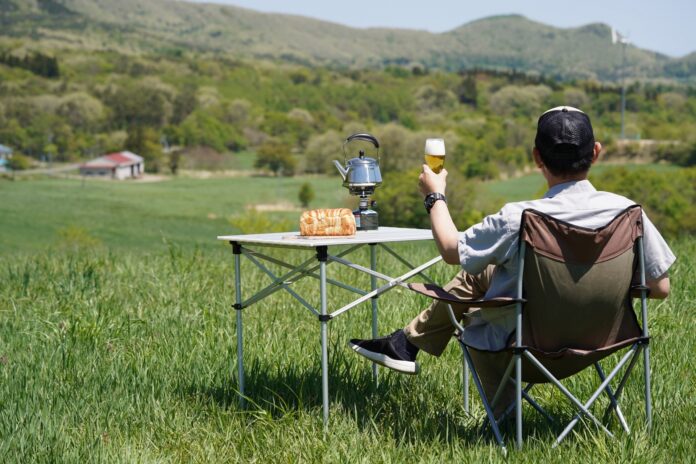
<point>431,330</point>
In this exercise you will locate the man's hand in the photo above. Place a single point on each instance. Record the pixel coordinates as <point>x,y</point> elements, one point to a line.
<point>429,182</point>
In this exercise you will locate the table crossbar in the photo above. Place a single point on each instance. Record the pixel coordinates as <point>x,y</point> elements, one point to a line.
<point>304,273</point>
<point>360,268</point>
<point>277,284</point>
<point>283,285</point>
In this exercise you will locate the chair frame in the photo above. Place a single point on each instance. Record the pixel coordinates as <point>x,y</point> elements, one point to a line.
<point>631,356</point>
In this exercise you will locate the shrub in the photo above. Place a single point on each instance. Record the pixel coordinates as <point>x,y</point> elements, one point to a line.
<point>401,203</point>
<point>669,198</point>
<point>254,222</point>
<point>306,194</point>
<point>19,162</point>
<point>275,155</point>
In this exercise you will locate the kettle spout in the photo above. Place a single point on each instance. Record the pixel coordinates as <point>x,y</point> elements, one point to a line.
<point>341,169</point>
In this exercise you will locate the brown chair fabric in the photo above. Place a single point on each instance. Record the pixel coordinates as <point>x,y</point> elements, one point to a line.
<point>577,285</point>
<point>568,243</point>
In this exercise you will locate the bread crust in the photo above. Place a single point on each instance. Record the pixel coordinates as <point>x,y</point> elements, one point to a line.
<point>327,222</point>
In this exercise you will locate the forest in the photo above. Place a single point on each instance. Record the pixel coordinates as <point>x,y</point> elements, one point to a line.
<point>189,111</point>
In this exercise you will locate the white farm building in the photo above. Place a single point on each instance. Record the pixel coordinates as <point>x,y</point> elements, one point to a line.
<point>121,165</point>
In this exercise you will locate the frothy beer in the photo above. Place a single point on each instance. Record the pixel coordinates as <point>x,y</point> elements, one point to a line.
<point>435,154</point>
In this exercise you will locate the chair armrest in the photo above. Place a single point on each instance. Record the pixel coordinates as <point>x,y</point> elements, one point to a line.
<point>438,293</point>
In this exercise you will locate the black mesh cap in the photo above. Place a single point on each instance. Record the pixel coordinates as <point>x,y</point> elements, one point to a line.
<point>564,133</point>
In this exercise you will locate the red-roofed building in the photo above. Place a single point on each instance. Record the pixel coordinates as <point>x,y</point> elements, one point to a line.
<point>121,165</point>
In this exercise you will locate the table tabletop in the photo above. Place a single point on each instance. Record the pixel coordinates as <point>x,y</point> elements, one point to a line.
<point>294,239</point>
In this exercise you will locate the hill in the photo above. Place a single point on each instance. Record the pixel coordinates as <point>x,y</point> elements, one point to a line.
<point>501,42</point>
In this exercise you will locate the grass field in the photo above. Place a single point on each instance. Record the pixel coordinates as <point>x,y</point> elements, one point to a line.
<point>36,214</point>
<point>120,347</point>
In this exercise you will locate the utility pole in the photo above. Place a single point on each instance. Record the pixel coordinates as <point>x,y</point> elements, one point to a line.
<point>624,42</point>
<point>616,37</point>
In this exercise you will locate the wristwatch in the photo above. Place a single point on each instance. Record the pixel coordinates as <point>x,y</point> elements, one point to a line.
<point>430,200</point>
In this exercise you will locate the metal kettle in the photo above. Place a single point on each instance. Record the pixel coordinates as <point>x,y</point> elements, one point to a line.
<point>361,175</point>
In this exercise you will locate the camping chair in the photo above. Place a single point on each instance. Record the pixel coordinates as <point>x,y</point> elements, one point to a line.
<point>573,308</point>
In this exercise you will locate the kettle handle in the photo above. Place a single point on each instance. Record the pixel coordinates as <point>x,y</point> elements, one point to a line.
<point>364,136</point>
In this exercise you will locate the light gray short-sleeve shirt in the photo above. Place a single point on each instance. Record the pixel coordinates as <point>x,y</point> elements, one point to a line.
<point>495,241</point>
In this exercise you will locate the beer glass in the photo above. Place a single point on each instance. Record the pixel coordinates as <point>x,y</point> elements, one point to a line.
<point>435,154</point>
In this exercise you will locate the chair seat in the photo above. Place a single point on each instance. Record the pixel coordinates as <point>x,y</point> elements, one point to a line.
<point>569,361</point>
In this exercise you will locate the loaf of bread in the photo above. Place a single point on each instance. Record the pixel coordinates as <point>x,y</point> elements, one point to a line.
<point>327,222</point>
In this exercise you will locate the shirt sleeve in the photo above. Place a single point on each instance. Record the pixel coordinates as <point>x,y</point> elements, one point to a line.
<point>492,241</point>
<point>658,255</point>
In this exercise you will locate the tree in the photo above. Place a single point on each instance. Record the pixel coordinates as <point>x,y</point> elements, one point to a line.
<point>306,194</point>
<point>275,155</point>
<point>81,110</point>
<point>144,141</point>
<point>202,128</point>
<point>174,161</point>
<point>148,102</point>
<point>466,91</point>
<point>321,150</point>
<point>184,103</point>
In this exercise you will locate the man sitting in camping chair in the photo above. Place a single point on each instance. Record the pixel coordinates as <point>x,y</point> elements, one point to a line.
<point>564,150</point>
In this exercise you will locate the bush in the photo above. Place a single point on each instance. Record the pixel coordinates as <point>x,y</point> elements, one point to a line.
<point>254,222</point>
<point>19,162</point>
<point>669,198</point>
<point>306,194</point>
<point>401,203</point>
<point>275,155</point>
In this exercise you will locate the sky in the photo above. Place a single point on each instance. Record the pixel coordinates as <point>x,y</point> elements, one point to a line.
<point>665,26</point>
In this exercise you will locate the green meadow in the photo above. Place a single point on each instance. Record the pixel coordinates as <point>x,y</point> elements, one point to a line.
<point>117,343</point>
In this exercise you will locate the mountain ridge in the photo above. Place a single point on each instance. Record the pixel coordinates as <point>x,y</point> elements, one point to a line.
<point>500,42</point>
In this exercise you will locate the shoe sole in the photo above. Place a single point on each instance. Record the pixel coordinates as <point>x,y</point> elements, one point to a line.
<point>405,367</point>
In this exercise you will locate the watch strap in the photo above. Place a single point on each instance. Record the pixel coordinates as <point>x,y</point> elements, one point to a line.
<point>431,198</point>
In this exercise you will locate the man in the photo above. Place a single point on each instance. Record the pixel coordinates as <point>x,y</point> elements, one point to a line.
<point>564,150</point>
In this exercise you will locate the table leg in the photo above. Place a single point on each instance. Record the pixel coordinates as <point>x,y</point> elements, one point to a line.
<point>373,286</point>
<point>322,256</point>
<point>237,251</point>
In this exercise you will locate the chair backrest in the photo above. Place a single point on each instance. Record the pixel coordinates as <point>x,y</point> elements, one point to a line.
<point>577,282</point>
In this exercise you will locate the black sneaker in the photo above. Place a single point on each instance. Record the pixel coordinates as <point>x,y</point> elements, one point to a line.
<point>393,351</point>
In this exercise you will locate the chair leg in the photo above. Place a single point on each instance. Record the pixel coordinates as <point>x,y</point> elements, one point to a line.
<point>612,399</point>
<point>484,399</point>
<point>622,383</point>
<point>648,402</point>
<point>584,407</point>
<point>511,406</point>
<point>503,382</point>
<point>565,391</point>
<point>518,400</point>
<point>465,383</point>
<point>533,402</point>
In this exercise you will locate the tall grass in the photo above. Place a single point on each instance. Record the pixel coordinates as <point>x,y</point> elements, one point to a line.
<point>120,357</point>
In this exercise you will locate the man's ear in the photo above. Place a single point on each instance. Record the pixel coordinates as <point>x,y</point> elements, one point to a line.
<point>595,152</point>
<point>537,158</point>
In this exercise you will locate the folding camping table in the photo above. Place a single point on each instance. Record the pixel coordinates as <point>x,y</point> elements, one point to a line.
<point>241,246</point>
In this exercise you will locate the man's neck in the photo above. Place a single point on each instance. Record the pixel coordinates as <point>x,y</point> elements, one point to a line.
<point>553,180</point>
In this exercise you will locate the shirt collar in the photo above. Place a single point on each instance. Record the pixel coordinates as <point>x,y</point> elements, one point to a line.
<point>574,186</point>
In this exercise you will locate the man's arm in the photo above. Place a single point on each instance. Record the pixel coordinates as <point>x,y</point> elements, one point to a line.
<point>444,231</point>
<point>659,288</point>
